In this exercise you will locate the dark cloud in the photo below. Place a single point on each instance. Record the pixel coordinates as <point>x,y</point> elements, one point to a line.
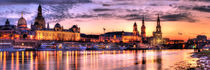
<point>137,17</point>
<point>44,1</point>
<point>178,17</point>
<point>202,8</point>
<point>58,12</point>
<point>85,16</point>
<point>105,15</point>
<point>102,9</point>
<point>133,17</point>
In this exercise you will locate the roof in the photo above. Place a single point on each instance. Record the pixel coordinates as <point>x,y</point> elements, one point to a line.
<point>119,33</point>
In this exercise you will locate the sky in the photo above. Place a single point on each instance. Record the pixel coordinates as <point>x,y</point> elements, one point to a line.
<point>180,19</point>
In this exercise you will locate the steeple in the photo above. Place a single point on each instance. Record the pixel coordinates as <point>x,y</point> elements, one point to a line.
<point>7,22</point>
<point>135,29</point>
<point>135,24</point>
<point>39,20</point>
<point>143,29</point>
<point>40,10</point>
<point>158,20</point>
<point>158,27</point>
<point>143,21</point>
<point>21,14</point>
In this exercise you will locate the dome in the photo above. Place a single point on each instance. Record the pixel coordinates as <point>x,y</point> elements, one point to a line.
<point>22,22</point>
<point>74,26</point>
<point>57,25</point>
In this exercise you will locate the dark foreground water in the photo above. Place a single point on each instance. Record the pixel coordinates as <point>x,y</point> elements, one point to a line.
<point>97,60</point>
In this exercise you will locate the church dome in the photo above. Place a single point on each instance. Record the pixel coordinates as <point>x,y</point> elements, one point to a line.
<point>57,25</point>
<point>22,23</point>
<point>74,26</point>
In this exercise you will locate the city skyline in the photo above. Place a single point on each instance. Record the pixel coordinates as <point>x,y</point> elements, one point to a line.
<point>178,20</point>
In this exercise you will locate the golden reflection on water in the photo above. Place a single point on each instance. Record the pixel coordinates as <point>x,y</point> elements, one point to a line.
<point>5,61</point>
<point>48,64</point>
<point>17,61</point>
<point>12,62</point>
<point>95,60</point>
<point>67,60</point>
<point>31,62</point>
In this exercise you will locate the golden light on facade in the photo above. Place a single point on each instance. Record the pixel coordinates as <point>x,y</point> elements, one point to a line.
<point>57,35</point>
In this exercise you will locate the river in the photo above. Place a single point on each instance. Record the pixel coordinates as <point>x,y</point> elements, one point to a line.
<point>97,60</point>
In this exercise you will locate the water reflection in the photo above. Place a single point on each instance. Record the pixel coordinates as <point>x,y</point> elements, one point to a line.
<point>94,60</point>
<point>143,66</point>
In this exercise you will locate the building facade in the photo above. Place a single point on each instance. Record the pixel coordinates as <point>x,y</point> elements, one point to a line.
<point>157,35</point>
<point>121,36</point>
<point>9,31</point>
<point>58,34</point>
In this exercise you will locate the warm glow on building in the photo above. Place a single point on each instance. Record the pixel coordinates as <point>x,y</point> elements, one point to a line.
<point>57,35</point>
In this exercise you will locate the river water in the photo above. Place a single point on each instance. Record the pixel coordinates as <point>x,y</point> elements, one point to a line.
<point>97,60</point>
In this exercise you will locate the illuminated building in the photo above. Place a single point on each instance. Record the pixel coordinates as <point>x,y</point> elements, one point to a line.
<point>89,38</point>
<point>121,36</point>
<point>112,36</point>
<point>199,41</point>
<point>39,20</point>
<point>22,24</point>
<point>135,30</point>
<point>136,36</point>
<point>56,34</point>
<point>59,34</point>
<point>128,37</point>
<point>143,33</point>
<point>8,31</point>
<point>157,35</point>
<point>22,27</point>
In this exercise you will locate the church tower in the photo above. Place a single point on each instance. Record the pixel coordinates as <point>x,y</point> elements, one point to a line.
<point>39,20</point>
<point>143,29</point>
<point>22,24</point>
<point>158,28</point>
<point>135,30</point>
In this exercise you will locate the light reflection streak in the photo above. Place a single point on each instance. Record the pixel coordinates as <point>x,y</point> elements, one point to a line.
<point>76,63</point>
<point>5,61</point>
<point>36,62</point>
<point>31,62</point>
<point>67,60</point>
<point>12,62</point>
<point>27,54</point>
<point>22,59</point>
<point>1,58</point>
<point>47,61</point>
<point>17,60</point>
<point>57,58</point>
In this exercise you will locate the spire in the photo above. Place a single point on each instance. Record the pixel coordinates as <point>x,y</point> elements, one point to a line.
<point>158,27</point>
<point>40,10</point>
<point>143,20</point>
<point>135,24</point>
<point>7,22</point>
<point>158,20</point>
<point>22,14</point>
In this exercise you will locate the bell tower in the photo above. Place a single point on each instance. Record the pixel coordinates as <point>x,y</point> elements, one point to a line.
<point>143,29</point>
<point>135,30</point>
<point>39,20</point>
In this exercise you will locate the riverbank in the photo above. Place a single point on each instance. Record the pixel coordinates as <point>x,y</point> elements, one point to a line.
<point>204,59</point>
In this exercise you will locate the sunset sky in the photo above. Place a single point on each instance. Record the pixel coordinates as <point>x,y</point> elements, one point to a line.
<point>180,19</point>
